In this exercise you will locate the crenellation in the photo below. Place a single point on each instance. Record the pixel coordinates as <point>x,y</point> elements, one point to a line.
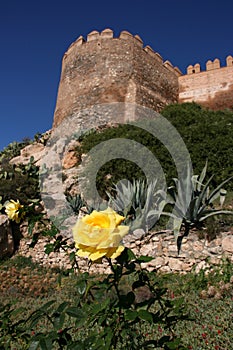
<point>229,61</point>
<point>213,65</point>
<point>190,69</point>
<point>125,35</point>
<point>158,57</point>
<point>216,63</point>
<point>94,35</point>
<point>177,71</point>
<point>168,65</point>
<point>138,40</point>
<point>149,50</point>
<point>197,68</point>
<point>79,41</point>
<point>106,34</point>
<point>210,65</point>
<point>193,69</point>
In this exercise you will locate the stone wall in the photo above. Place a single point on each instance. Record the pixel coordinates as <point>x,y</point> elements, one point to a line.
<point>195,254</point>
<point>105,69</point>
<point>212,88</point>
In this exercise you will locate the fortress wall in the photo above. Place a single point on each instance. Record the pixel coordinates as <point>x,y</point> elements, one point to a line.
<point>105,69</point>
<point>212,88</point>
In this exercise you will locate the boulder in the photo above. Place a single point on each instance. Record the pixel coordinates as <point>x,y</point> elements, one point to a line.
<point>227,244</point>
<point>35,150</point>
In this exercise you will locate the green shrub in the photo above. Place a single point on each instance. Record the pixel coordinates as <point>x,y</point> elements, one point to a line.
<point>19,183</point>
<point>118,169</point>
<point>13,149</point>
<point>207,135</point>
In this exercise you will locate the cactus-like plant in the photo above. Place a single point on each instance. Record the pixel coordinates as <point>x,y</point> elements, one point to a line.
<point>76,202</point>
<point>201,205</point>
<point>141,203</point>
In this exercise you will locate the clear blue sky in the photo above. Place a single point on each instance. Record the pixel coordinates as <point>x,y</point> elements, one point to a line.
<point>34,35</point>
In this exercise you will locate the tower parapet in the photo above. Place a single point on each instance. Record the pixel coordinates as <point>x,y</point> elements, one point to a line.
<point>210,65</point>
<point>212,87</point>
<point>105,69</point>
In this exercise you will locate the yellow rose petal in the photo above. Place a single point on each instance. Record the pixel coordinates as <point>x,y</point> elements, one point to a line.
<point>98,254</point>
<point>114,253</point>
<point>98,219</point>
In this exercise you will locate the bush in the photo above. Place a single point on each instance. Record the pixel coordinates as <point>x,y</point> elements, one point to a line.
<point>19,183</point>
<point>118,169</point>
<point>207,135</point>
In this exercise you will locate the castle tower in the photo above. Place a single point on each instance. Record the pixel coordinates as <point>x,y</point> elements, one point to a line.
<point>104,69</point>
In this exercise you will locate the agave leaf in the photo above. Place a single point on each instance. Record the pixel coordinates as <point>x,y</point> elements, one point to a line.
<point>202,176</point>
<point>176,227</point>
<point>215,212</point>
<point>203,200</point>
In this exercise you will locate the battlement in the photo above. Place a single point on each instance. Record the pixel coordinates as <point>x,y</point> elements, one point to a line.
<point>210,65</point>
<point>96,37</point>
<point>211,88</point>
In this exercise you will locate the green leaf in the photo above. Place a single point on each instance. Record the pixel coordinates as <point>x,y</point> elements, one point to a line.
<point>144,258</point>
<point>47,305</point>
<point>72,256</point>
<point>131,255</point>
<point>62,306</point>
<point>59,321</point>
<point>216,212</point>
<point>81,287</point>
<point>130,315</point>
<point>49,248</point>
<point>45,344</point>
<point>75,312</point>
<point>145,315</point>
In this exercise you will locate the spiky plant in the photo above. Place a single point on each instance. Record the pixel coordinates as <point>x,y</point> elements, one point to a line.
<point>201,205</point>
<point>141,203</point>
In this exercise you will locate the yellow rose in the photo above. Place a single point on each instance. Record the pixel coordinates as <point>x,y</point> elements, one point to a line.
<point>14,210</point>
<point>99,234</point>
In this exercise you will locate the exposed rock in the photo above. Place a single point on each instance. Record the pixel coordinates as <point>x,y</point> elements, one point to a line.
<point>227,244</point>
<point>36,150</point>
<point>6,237</point>
<point>134,236</point>
<point>70,160</point>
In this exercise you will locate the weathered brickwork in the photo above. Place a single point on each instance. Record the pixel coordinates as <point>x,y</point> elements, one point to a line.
<point>105,69</point>
<point>212,88</point>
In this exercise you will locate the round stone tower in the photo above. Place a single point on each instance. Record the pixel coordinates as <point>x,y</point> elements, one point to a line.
<point>104,69</point>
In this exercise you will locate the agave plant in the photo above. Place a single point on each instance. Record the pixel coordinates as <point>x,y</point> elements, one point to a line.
<point>200,206</point>
<point>76,202</point>
<point>141,203</point>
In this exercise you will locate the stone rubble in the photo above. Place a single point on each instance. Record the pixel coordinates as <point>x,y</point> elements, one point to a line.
<point>195,254</point>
